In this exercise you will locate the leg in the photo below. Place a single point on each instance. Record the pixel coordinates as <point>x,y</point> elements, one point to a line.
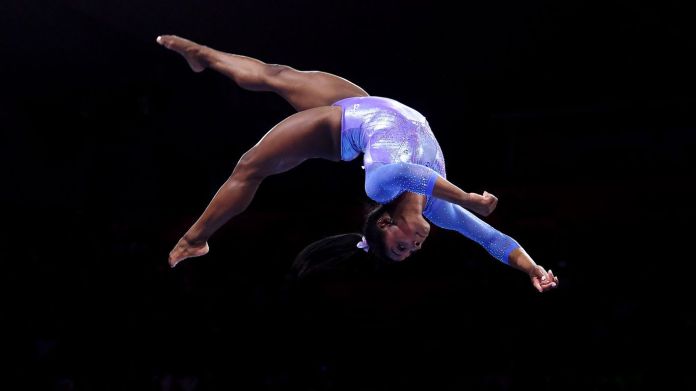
<point>314,133</point>
<point>302,89</point>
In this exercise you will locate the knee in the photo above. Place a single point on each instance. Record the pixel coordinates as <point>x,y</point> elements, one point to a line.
<point>248,169</point>
<point>276,70</point>
<point>275,74</point>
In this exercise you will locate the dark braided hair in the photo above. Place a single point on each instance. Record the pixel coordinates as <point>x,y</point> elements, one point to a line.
<point>331,255</point>
<point>339,254</point>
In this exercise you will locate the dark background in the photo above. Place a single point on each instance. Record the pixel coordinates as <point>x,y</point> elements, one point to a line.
<point>577,115</point>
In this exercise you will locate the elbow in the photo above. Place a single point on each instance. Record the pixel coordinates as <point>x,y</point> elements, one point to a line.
<point>376,193</point>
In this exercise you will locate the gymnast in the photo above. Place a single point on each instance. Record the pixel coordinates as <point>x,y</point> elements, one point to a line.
<point>337,120</point>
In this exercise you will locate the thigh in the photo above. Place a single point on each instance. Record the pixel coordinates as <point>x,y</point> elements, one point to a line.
<point>309,89</point>
<point>312,133</point>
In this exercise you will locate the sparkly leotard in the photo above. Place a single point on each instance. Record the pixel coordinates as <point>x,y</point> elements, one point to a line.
<point>402,154</point>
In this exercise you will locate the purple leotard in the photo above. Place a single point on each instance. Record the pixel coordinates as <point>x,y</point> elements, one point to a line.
<point>402,154</point>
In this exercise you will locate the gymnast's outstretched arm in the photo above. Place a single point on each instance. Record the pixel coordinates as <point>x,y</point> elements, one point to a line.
<point>501,246</point>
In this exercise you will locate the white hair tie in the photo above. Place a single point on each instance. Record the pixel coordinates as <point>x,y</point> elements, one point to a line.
<point>363,244</point>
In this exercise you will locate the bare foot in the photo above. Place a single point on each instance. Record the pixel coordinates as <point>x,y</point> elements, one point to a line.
<point>189,49</point>
<point>184,249</point>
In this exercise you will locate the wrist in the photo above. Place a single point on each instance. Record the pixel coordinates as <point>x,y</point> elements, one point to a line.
<point>468,199</point>
<point>532,271</point>
<point>520,260</point>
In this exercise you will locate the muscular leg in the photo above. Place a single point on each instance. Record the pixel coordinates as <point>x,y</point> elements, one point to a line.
<point>302,89</point>
<point>313,133</point>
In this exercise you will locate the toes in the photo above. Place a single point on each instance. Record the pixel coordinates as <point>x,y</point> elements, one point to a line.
<point>164,40</point>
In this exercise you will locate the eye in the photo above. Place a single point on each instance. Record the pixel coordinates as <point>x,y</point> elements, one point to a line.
<point>401,247</point>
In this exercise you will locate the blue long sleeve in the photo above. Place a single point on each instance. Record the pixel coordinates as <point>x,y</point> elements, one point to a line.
<point>450,216</point>
<point>401,154</point>
<point>385,182</point>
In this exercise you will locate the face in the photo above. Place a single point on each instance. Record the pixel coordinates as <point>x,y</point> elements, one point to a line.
<point>401,239</point>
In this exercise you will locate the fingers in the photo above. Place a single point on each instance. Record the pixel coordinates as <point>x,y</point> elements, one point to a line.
<point>541,273</point>
<point>553,278</point>
<point>489,195</point>
<point>548,285</point>
<point>542,280</point>
<point>537,285</point>
<point>543,287</point>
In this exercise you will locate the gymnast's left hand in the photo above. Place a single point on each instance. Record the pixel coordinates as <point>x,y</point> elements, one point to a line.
<point>543,280</point>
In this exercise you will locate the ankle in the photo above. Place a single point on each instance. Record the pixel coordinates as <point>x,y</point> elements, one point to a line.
<point>193,240</point>
<point>204,55</point>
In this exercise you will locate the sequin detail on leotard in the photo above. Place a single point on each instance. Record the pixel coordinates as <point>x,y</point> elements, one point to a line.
<point>402,154</point>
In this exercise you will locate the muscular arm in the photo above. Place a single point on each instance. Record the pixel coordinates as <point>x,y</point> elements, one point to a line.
<point>481,204</point>
<point>450,216</point>
<point>385,182</point>
<point>499,245</point>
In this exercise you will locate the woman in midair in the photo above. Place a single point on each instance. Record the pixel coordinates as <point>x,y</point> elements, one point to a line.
<point>337,120</point>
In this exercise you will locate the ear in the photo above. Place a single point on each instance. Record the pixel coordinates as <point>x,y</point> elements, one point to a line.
<point>384,221</point>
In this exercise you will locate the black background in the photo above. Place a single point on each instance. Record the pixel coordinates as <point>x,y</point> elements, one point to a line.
<point>577,115</point>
